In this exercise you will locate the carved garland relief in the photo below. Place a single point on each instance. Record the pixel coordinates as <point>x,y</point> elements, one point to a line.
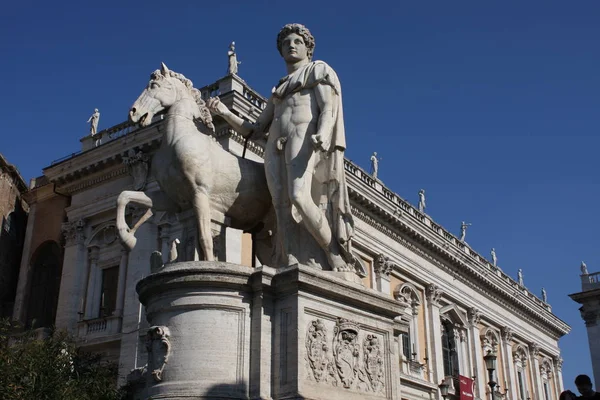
<point>352,363</point>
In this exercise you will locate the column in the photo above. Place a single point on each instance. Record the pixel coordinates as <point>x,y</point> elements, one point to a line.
<point>20,307</point>
<point>434,295</point>
<point>509,364</point>
<point>72,283</point>
<point>383,269</point>
<point>122,282</point>
<point>534,352</point>
<point>474,317</point>
<point>93,286</point>
<point>590,313</point>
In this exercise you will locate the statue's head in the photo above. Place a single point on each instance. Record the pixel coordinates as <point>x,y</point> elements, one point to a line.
<point>95,110</point>
<point>300,30</point>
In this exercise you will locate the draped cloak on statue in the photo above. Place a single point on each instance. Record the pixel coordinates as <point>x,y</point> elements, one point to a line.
<point>329,177</point>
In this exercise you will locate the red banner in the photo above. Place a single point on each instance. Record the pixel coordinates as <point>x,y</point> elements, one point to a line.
<point>465,387</point>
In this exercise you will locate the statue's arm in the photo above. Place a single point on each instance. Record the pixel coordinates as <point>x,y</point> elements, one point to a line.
<point>245,128</point>
<point>325,97</point>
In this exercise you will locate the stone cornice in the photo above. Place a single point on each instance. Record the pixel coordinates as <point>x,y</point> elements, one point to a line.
<point>484,282</point>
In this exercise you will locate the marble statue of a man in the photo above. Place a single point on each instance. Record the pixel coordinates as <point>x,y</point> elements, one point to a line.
<point>374,164</point>
<point>304,157</point>
<point>93,121</point>
<point>422,204</point>
<point>463,230</point>
<point>233,62</point>
<point>520,276</point>
<point>494,257</point>
<point>584,270</point>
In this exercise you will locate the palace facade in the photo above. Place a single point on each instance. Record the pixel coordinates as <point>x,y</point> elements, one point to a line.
<point>457,307</point>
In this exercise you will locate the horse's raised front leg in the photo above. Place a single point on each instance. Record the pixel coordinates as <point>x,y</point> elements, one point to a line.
<point>202,210</point>
<point>154,200</point>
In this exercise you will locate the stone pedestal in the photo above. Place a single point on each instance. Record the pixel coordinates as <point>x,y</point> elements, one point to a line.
<point>220,330</point>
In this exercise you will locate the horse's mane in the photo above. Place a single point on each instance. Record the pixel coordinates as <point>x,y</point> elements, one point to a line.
<point>196,95</point>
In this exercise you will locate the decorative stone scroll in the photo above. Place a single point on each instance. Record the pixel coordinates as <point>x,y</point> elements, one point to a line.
<point>159,349</point>
<point>507,334</point>
<point>357,365</point>
<point>473,316</point>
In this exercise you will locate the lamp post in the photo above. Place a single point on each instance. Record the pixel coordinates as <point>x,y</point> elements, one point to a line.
<point>444,389</point>
<point>490,365</point>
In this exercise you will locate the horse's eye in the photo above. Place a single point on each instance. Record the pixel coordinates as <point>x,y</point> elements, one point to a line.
<point>153,85</point>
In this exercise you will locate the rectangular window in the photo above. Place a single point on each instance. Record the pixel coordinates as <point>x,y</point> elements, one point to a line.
<point>406,345</point>
<point>521,387</point>
<point>108,294</point>
<point>546,391</point>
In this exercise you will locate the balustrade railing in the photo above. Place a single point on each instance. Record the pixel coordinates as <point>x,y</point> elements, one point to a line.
<point>98,327</point>
<point>590,281</point>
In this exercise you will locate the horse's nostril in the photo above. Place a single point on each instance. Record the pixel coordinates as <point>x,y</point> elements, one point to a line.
<point>132,111</point>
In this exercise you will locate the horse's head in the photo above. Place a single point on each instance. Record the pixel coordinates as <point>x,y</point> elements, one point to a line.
<point>162,92</point>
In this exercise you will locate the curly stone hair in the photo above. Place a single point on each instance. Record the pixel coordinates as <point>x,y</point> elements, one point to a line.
<point>301,30</point>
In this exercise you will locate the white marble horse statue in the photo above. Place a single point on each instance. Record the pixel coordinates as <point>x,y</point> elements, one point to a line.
<point>194,171</point>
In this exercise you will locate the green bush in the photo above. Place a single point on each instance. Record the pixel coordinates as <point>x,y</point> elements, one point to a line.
<point>52,368</point>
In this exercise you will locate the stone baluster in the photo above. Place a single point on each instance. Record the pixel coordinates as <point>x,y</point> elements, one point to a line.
<point>72,284</point>
<point>434,295</point>
<point>121,285</point>
<point>93,287</point>
<point>509,365</point>
<point>474,318</point>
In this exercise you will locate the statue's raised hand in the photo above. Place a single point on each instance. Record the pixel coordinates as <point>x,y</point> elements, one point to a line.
<point>216,107</point>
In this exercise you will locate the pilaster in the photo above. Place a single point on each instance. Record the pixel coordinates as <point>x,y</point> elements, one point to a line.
<point>23,284</point>
<point>72,283</point>
<point>474,317</point>
<point>383,269</point>
<point>534,352</point>
<point>509,364</point>
<point>92,303</point>
<point>434,294</point>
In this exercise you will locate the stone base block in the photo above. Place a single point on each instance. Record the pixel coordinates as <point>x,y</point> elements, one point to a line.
<point>221,330</point>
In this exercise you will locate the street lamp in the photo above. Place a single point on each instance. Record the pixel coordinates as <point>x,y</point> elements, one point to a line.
<point>444,389</point>
<point>490,365</point>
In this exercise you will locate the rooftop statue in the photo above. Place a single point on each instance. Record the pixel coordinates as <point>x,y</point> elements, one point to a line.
<point>194,171</point>
<point>422,204</point>
<point>463,230</point>
<point>233,62</point>
<point>520,276</point>
<point>304,156</point>
<point>374,164</point>
<point>93,121</point>
<point>584,270</point>
<point>494,258</point>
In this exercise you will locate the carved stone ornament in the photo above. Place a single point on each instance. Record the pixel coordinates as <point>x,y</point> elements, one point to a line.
<point>383,266</point>
<point>534,349</point>
<point>159,349</point>
<point>407,295</point>
<point>507,334</point>
<point>109,234</point>
<point>434,293</point>
<point>558,362</point>
<point>316,351</point>
<point>137,165</point>
<point>346,351</point>
<point>474,316</point>
<point>73,232</point>
<point>489,341</point>
<point>520,355</point>
<point>374,363</point>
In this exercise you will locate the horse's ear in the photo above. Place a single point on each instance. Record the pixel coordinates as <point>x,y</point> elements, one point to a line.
<point>163,69</point>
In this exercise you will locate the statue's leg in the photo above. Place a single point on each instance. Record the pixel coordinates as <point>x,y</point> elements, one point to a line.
<point>154,200</point>
<point>202,210</point>
<point>300,163</point>
<point>276,181</point>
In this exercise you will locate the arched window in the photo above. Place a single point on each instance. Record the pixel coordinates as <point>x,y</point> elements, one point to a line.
<point>45,284</point>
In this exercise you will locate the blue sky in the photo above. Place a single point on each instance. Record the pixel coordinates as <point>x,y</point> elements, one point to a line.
<point>492,107</point>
